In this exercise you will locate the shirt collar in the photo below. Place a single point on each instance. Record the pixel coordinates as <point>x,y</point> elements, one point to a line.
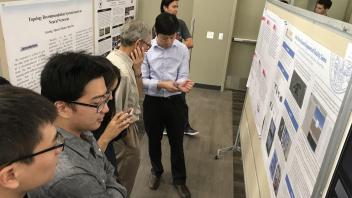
<point>124,56</point>
<point>155,44</point>
<point>82,147</point>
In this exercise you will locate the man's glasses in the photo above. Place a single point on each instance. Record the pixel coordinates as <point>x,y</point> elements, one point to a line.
<point>147,44</point>
<point>99,106</point>
<point>60,143</point>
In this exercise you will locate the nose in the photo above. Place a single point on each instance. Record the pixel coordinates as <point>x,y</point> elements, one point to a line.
<point>105,109</point>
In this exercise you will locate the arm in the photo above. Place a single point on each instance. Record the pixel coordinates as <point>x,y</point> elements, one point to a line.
<point>137,57</point>
<point>85,185</point>
<point>117,124</point>
<point>187,37</point>
<point>182,82</point>
<point>189,43</point>
<point>121,120</point>
<point>148,84</point>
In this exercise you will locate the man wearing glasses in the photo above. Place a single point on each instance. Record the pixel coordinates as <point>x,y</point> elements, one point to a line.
<point>29,142</point>
<point>165,77</point>
<point>135,41</point>
<point>74,83</point>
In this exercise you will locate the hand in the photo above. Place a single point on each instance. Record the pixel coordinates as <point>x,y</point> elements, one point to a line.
<point>117,124</point>
<point>186,86</point>
<point>169,86</point>
<point>137,56</point>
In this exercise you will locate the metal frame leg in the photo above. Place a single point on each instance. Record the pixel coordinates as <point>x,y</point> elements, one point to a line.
<point>235,147</point>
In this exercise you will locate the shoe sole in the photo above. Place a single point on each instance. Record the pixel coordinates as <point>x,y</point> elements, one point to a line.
<point>191,134</point>
<point>195,133</point>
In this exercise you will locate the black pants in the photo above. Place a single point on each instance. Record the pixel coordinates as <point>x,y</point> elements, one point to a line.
<point>160,113</point>
<point>186,123</point>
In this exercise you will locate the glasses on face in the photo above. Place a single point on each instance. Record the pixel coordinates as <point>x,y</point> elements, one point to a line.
<point>60,143</point>
<point>99,106</point>
<point>147,44</point>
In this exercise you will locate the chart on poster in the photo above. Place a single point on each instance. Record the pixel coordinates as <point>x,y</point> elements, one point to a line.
<point>109,17</point>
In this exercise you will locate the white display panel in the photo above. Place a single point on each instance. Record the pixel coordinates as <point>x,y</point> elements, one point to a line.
<point>34,30</point>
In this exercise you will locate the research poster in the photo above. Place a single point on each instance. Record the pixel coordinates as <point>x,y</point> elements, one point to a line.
<point>262,73</point>
<point>43,28</point>
<point>301,99</point>
<point>109,17</point>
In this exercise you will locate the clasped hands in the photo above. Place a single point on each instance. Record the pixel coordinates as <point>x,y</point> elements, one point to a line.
<point>173,86</point>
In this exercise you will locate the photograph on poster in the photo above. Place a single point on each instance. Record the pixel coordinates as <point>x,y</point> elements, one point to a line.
<point>115,41</point>
<point>289,187</point>
<point>297,88</point>
<point>278,93</point>
<point>128,10</point>
<point>270,138</point>
<point>284,137</point>
<point>107,30</point>
<point>130,18</point>
<point>101,32</point>
<point>273,165</point>
<point>313,122</point>
<point>277,178</point>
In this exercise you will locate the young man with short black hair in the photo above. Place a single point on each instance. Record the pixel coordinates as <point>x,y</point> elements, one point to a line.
<point>165,76</point>
<point>29,142</point>
<point>74,83</point>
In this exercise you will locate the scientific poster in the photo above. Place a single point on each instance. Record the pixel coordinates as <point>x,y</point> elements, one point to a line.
<point>42,29</point>
<point>296,87</point>
<point>263,70</point>
<point>109,17</point>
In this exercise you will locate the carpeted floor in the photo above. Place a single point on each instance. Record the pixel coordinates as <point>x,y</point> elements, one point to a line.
<point>238,180</point>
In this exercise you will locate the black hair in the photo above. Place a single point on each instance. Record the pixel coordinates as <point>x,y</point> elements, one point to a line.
<point>3,81</point>
<point>326,3</point>
<point>166,23</point>
<point>65,75</point>
<point>23,112</point>
<point>165,3</point>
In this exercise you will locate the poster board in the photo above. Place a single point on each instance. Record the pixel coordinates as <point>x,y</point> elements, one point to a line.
<point>46,27</point>
<point>297,84</point>
<point>109,16</point>
<point>42,29</point>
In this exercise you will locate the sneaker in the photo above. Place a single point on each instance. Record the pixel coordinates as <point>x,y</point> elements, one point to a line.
<point>191,131</point>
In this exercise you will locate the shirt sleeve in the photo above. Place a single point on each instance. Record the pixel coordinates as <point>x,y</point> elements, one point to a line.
<point>84,185</point>
<point>184,30</point>
<point>183,71</point>
<point>149,85</point>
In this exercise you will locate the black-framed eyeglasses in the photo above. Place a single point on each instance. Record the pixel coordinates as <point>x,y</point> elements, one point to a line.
<point>60,143</point>
<point>99,106</point>
<point>147,44</point>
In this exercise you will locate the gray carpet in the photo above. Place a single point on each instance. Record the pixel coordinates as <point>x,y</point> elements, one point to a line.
<point>238,180</point>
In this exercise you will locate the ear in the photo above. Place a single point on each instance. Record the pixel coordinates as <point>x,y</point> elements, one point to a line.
<point>8,178</point>
<point>63,109</point>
